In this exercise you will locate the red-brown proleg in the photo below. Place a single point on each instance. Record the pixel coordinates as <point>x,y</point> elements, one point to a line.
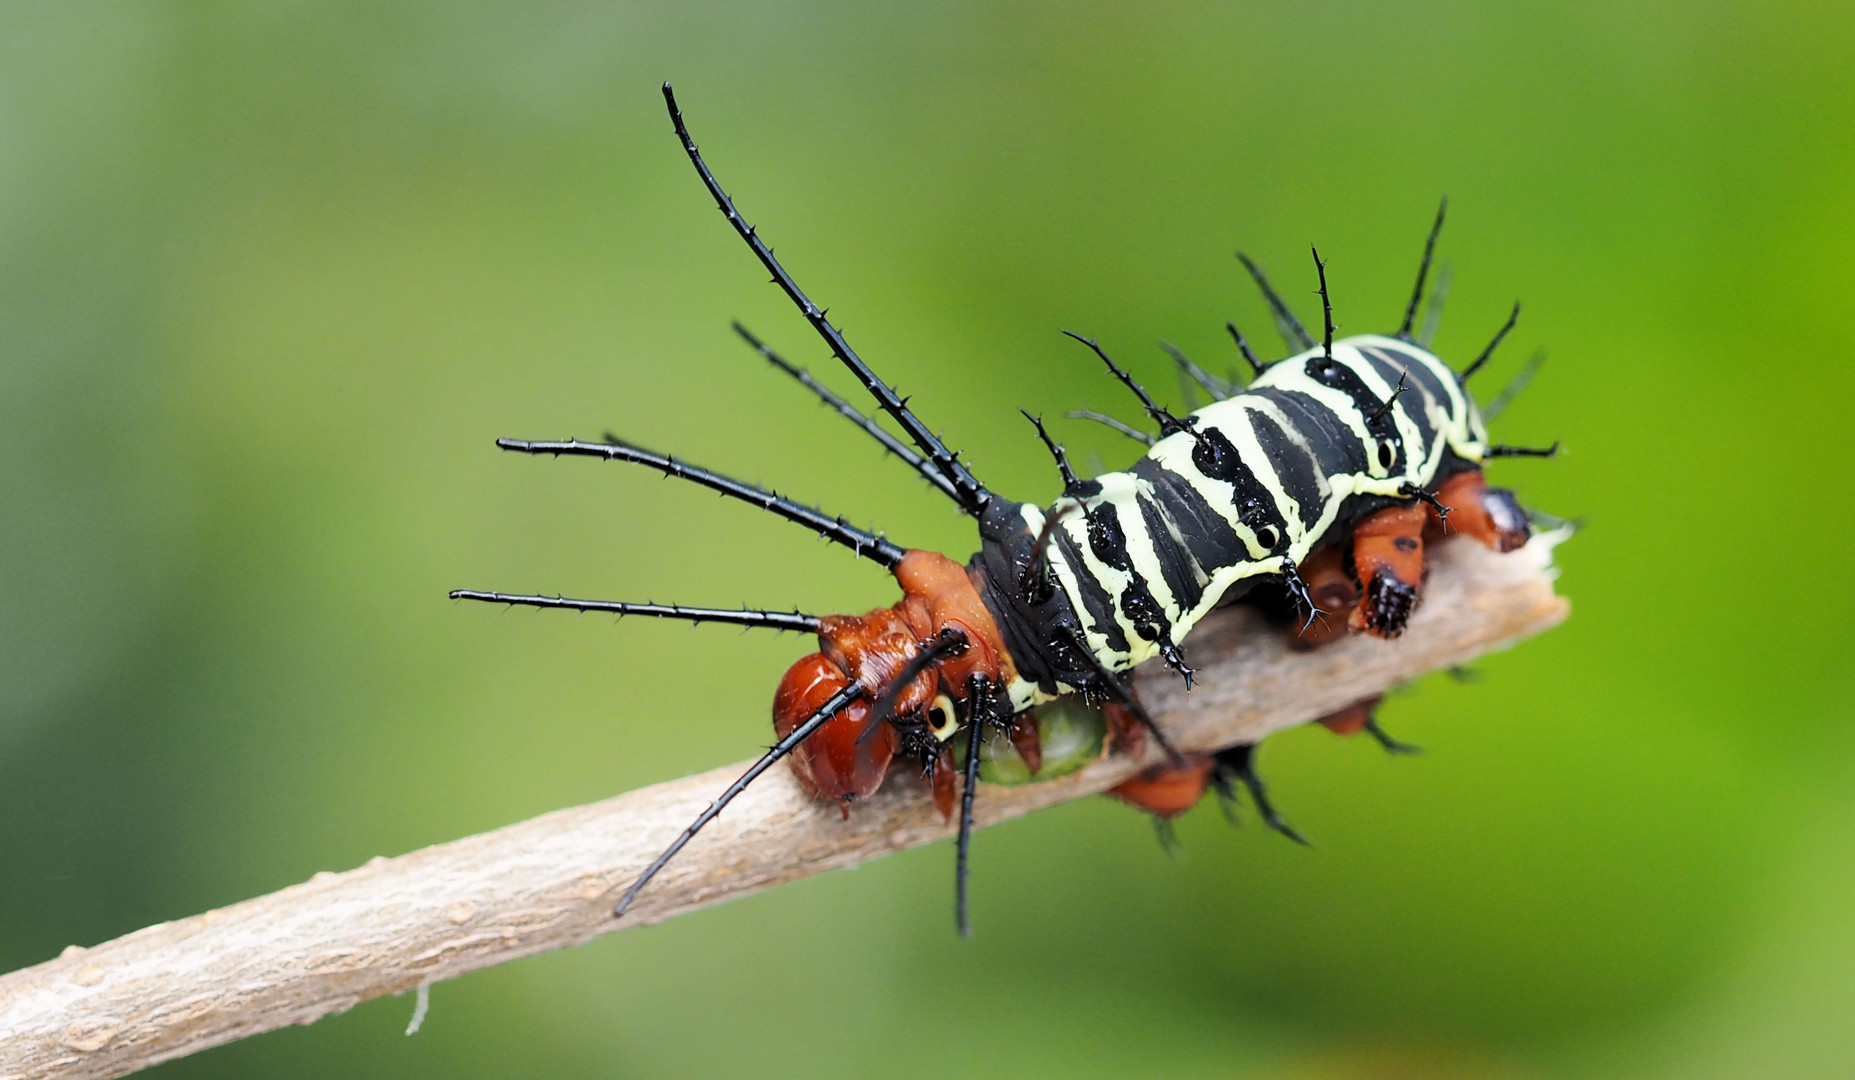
<point>1164,790</point>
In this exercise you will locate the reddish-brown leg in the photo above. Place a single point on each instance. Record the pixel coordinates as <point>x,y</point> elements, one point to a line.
<point>1388,560</point>
<point>1491,515</point>
<point>1125,733</point>
<point>1352,719</point>
<point>945,773</point>
<point>1029,745</point>
<point>1166,791</point>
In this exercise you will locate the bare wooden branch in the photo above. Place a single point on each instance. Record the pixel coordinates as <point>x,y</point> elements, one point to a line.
<point>340,939</point>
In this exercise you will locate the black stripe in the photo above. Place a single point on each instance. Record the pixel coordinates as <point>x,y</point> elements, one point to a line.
<point>1176,563</point>
<point>1423,375</point>
<point>1108,540</point>
<point>1297,471</point>
<point>1378,419</point>
<point>1413,387</point>
<point>1216,458</point>
<point>1212,543</point>
<point>1336,447</point>
<point>1097,605</point>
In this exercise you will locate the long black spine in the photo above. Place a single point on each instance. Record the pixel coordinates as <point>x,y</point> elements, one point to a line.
<point>837,704</point>
<point>851,413</point>
<point>1110,685</point>
<point>1167,422</point>
<point>1257,367</point>
<point>867,544</point>
<point>1284,318</point>
<point>772,620</point>
<point>1492,345</point>
<point>1423,271</point>
<point>972,494</point>
<point>1107,421</point>
<point>977,725</point>
<point>1216,387</point>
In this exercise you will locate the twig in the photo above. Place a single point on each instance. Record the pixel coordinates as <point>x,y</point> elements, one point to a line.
<point>396,924</point>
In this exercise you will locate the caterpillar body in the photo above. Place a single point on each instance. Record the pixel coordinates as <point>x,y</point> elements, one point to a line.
<point>1320,482</point>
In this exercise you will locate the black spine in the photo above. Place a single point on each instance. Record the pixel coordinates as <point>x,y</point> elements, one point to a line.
<point>1423,271</point>
<point>851,413</point>
<point>751,617</point>
<point>836,529</point>
<point>1292,330</point>
<point>972,494</point>
<point>1168,423</point>
<point>1257,367</point>
<point>787,745</point>
<point>1492,345</point>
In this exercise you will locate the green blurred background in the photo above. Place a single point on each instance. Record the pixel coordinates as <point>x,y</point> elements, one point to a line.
<point>272,276</point>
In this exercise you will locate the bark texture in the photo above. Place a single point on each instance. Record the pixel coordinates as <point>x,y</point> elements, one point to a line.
<point>386,927</point>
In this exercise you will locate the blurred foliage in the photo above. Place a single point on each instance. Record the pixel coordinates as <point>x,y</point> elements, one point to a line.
<point>272,276</point>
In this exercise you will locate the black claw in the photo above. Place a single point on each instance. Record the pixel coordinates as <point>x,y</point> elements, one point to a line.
<point>1391,745</point>
<point>1168,837</point>
<point>1240,764</point>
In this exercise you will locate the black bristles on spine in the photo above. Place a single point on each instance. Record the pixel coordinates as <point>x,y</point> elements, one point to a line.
<point>772,620</point>
<point>867,544</point>
<point>1256,365</point>
<point>1492,345</point>
<point>1297,589</point>
<point>851,413</point>
<point>1285,321</point>
<point>838,703</point>
<point>1396,393</point>
<point>1326,306</point>
<point>1107,421</point>
<point>1168,423</point>
<point>1428,498</point>
<point>1524,451</point>
<point>1423,271</point>
<point>972,495</point>
<point>1515,386</point>
<point>1070,481</point>
<point>1216,387</point>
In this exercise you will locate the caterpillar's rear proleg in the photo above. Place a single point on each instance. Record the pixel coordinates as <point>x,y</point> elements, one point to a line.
<point>1363,716</point>
<point>1166,791</point>
<point>1491,515</point>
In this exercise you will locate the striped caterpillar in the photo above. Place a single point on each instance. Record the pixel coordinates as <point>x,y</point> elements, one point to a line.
<point>1319,482</point>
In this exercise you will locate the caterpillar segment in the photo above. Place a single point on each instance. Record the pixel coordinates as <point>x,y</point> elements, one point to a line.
<point>1315,489</point>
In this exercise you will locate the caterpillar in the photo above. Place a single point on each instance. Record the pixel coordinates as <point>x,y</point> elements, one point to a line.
<point>1317,484</point>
